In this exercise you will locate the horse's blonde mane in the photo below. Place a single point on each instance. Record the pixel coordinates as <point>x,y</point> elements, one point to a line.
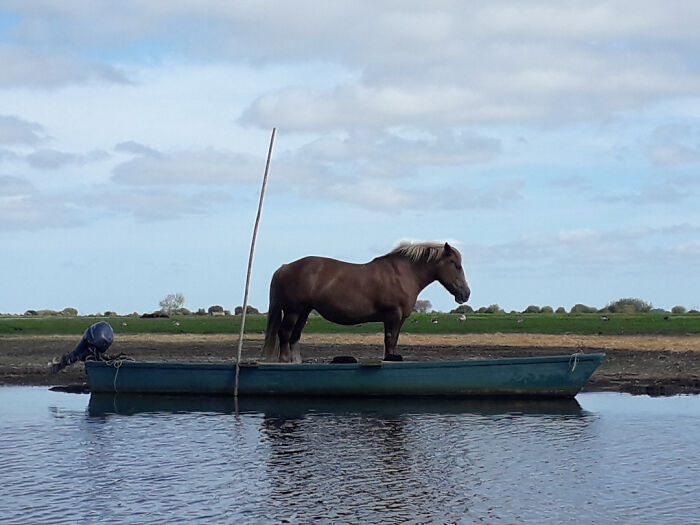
<point>419,251</point>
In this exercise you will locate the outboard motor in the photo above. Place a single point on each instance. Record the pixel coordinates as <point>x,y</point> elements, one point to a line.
<point>95,341</point>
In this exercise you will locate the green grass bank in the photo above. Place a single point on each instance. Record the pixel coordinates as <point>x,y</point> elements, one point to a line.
<point>583,324</point>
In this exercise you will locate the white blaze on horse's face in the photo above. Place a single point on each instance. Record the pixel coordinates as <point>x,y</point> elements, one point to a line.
<point>451,274</point>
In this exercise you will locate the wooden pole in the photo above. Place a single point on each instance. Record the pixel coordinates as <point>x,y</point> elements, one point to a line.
<point>250,263</point>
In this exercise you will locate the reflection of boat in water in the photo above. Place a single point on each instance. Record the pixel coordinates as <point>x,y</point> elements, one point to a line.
<point>552,376</point>
<point>103,404</point>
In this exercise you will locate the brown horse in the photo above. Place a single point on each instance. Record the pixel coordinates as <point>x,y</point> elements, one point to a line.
<point>384,289</point>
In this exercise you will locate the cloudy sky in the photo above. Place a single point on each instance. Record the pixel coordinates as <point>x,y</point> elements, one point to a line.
<point>557,144</point>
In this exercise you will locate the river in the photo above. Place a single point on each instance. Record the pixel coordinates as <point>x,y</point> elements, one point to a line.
<point>602,458</point>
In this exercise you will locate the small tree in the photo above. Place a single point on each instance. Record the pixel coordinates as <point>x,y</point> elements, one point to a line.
<point>215,309</point>
<point>629,305</point>
<point>547,310</point>
<point>579,308</point>
<point>172,302</point>
<point>678,309</point>
<point>494,309</point>
<point>561,310</point>
<point>532,309</point>
<point>249,310</point>
<point>422,306</point>
<point>462,309</point>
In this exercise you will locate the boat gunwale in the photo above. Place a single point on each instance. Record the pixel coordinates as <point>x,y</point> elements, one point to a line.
<point>307,367</point>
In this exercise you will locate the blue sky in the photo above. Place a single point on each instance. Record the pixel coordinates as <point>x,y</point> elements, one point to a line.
<point>557,144</point>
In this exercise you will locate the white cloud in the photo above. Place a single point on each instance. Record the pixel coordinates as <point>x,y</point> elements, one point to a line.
<point>443,149</point>
<point>493,63</point>
<point>43,69</point>
<point>164,204</point>
<point>14,130</point>
<point>370,169</point>
<point>8,155</point>
<point>355,29</point>
<point>361,106</point>
<point>207,166</point>
<point>357,169</point>
<point>577,235</point>
<point>369,194</point>
<point>690,251</point>
<point>50,159</point>
<point>408,64</point>
<point>590,252</point>
<point>570,182</point>
<point>391,196</point>
<point>669,190</point>
<point>23,208</point>
<point>470,94</point>
<point>136,148</point>
<point>673,144</point>
<point>39,211</point>
<point>15,187</point>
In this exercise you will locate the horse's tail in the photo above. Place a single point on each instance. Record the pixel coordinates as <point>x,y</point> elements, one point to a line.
<point>271,348</point>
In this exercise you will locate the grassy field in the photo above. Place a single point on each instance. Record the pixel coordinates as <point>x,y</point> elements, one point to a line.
<point>618,324</point>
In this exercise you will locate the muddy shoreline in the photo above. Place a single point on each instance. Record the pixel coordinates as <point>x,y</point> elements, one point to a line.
<point>637,364</point>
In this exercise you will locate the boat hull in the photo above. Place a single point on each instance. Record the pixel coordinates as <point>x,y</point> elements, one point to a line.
<point>296,407</point>
<point>553,376</point>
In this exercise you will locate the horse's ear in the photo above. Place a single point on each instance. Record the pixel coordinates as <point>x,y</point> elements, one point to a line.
<point>448,249</point>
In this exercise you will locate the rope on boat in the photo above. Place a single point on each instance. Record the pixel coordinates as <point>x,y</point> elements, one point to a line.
<point>250,264</point>
<point>574,356</point>
<point>117,364</point>
<point>115,361</point>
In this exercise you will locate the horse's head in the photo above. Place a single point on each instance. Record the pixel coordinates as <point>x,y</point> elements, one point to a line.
<point>451,274</point>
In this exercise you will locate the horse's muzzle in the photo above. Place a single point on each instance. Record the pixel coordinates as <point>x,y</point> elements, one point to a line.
<point>463,296</point>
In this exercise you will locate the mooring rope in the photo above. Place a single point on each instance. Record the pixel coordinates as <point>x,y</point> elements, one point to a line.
<point>574,356</point>
<point>117,363</point>
<point>115,360</point>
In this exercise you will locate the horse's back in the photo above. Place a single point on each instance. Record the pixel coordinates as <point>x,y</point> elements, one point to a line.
<point>314,281</point>
<point>310,272</point>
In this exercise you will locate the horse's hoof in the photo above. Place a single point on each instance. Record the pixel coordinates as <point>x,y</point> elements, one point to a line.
<point>393,357</point>
<point>340,359</point>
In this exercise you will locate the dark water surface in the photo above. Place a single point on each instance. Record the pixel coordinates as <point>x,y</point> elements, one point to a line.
<point>605,458</point>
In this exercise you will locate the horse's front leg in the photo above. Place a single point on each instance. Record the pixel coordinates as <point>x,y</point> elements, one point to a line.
<point>392,327</point>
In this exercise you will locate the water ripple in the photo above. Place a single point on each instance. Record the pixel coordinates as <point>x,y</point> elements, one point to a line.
<point>329,463</point>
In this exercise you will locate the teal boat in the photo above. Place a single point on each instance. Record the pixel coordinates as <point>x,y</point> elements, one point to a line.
<point>552,376</point>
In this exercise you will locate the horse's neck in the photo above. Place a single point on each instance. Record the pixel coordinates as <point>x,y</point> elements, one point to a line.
<point>425,274</point>
<point>422,274</point>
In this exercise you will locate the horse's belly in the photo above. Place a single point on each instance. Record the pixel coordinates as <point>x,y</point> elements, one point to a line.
<point>346,317</point>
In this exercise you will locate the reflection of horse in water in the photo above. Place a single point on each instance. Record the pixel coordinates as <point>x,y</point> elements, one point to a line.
<point>383,290</point>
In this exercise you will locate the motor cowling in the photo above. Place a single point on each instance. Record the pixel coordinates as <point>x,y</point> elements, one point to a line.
<point>95,341</point>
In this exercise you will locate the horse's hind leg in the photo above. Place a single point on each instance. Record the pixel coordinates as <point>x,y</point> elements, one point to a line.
<point>289,321</point>
<point>392,327</point>
<point>296,335</point>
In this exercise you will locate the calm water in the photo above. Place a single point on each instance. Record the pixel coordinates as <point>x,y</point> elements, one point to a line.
<point>608,458</point>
